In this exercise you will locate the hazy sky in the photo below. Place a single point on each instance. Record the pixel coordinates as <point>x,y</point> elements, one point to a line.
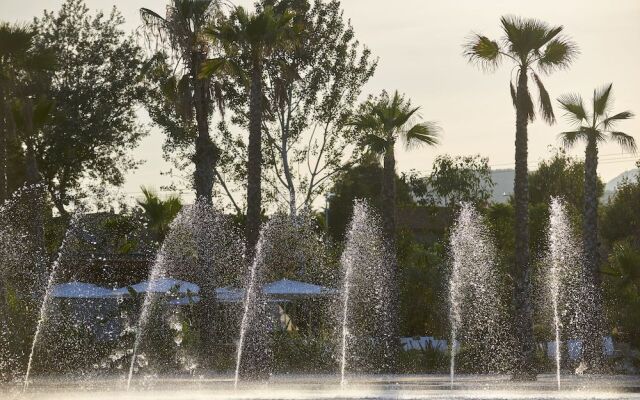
<point>419,43</point>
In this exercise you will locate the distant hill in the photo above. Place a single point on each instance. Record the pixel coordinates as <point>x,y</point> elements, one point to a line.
<point>611,186</point>
<point>503,178</point>
<point>628,175</point>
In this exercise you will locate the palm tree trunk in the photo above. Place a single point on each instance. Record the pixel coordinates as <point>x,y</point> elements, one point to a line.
<point>254,164</point>
<point>524,367</point>
<point>205,157</point>
<point>390,343</point>
<point>592,332</point>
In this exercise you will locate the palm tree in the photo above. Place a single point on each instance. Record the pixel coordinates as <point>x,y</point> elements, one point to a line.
<point>251,37</point>
<point>180,33</point>
<point>592,129</point>
<point>159,213</point>
<point>532,46</point>
<point>383,122</point>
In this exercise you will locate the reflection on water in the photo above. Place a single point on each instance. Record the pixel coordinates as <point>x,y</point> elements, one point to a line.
<point>328,387</point>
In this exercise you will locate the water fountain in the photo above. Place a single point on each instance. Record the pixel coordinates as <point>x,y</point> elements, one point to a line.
<point>563,263</point>
<point>476,314</point>
<point>202,244</point>
<point>63,253</point>
<point>364,317</point>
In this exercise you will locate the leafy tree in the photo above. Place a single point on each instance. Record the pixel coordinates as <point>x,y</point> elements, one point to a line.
<point>560,176</point>
<point>532,46</point>
<point>252,37</point>
<point>593,128</point>
<point>95,85</point>
<point>382,122</point>
<point>363,181</point>
<point>159,213</point>
<point>310,91</point>
<point>461,179</point>
<point>22,67</point>
<point>178,91</point>
<point>621,216</point>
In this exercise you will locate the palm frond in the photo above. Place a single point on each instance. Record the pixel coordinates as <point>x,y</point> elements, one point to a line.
<point>483,51</point>
<point>425,133</point>
<point>601,100</point>
<point>375,143</point>
<point>573,106</point>
<point>609,122</point>
<point>569,139</point>
<point>558,54</point>
<point>625,141</point>
<point>546,109</point>
<point>514,95</point>
<point>366,122</point>
<point>531,114</point>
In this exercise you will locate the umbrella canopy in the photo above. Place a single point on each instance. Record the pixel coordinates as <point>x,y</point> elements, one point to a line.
<point>286,288</point>
<point>81,290</point>
<point>163,285</point>
<point>229,295</point>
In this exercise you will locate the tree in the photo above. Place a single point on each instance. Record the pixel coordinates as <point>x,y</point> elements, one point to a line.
<point>362,181</point>
<point>179,36</point>
<point>95,88</point>
<point>253,37</point>
<point>461,179</point>
<point>159,213</point>
<point>22,66</point>
<point>383,122</point>
<point>593,128</point>
<point>311,90</point>
<point>532,46</point>
<point>563,176</point>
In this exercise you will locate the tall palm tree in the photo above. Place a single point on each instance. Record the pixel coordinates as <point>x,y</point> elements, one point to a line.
<point>179,33</point>
<point>532,46</point>
<point>593,128</point>
<point>159,213</point>
<point>251,37</point>
<point>383,122</point>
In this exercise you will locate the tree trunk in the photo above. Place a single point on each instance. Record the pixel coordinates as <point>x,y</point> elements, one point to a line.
<point>389,195</point>
<point>525,352</point>
<point>288,177</point>
<point>592,332</point>
<point>390,343</point>
<point>205,157</point>
<point>254,163</point>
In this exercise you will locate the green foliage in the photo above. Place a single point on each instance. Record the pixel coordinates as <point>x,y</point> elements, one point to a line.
<point>454,180</point>
<point>360,182</point>
<point>300,353</point>
<point>96,85</point>
<point>422,286</point>
<point>159,213</point>
<point>426,360</point>
<point>621,217</point>
<point>560,176</point>
<point>622,277</point>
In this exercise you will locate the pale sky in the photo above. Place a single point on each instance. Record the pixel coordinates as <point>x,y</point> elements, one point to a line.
<point>418,43</point>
